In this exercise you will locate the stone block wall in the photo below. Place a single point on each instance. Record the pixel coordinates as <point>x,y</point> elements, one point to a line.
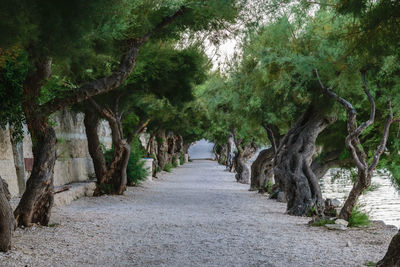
<point>73,164</point>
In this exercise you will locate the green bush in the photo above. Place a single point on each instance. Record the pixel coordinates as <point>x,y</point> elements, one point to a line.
<point>322,222</point>
<point>135,170</point>
<point>168,167</point>
<point>174,162</point>
<point>182,159</point>
<point>359,218</point>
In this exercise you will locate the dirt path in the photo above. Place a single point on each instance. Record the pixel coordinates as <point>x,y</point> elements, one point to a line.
<point>195,216</point>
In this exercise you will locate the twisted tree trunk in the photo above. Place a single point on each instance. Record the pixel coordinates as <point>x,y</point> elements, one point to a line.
<point>292,170</point>
<point>162,151</point>
<point>353,144</point>
<point>392,257</point>
<point>37,200</point>
<point>7,220</point>
<point>244,153</point>
<point>111,178</point>
<point>260,168</point>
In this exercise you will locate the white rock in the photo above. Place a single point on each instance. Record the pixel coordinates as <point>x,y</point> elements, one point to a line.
<point>342,222</point>
<point>348,244</point>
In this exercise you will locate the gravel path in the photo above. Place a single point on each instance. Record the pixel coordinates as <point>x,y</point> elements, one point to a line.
<point>195,216</point>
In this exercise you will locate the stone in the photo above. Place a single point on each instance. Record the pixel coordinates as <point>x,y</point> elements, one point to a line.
<point>336,227</point>
<point>342,222</point>
<point>336,202</point>
<point>348,244</point>
<point>281,197</point>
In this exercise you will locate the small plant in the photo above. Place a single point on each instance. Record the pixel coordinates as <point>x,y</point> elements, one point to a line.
<point>190,160</point>
<point>370,263</point>
<point>269,187</point>
<point>182,159</point>
<point>359,218</point>
<point>322,222</point>
<point>158,169</point>
<point>174,162</point>
<point>135,170</point>
<point>168,167</point>
<point>371,188</point>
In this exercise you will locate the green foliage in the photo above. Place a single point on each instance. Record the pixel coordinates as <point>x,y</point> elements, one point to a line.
<point>359,218</point>
<point>174,162</point>
<point>182,159</point>
<point>322,222</point>
<point>12,76</point>
<point>168,167</point>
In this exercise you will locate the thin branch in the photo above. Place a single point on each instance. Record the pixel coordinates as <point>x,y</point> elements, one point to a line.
<point>381,147</point>
<point>351,123</point>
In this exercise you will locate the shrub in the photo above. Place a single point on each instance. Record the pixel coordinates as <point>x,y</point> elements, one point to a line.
<point>174,162</point>
<point>168,167</point>
<point>359,218</point>
<point>322,222</point>
<point>135,170</point>
<point>182,159</point>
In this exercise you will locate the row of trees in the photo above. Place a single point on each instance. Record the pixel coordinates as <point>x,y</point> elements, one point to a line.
<point>309,82</point>
<point>115,60</point>
<point>320,82</point>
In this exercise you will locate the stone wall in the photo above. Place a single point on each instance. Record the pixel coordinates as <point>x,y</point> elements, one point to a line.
<point>73,164</point>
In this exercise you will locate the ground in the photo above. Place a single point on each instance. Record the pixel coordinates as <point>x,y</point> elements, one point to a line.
<point>195,216</point>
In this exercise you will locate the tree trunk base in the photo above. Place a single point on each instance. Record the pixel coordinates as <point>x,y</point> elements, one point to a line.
<point>392,257</point>
<point>7,221</point>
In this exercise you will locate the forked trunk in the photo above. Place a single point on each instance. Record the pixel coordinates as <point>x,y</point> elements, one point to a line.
<point>392,257</point>
<point>292,169</point>
<point>242,171</point>
<point>7,220</point>
<point>111,178</point>
<point>244,153</point>
<point>37,200</point>
<point>162,153</point>
<point>259,169</point>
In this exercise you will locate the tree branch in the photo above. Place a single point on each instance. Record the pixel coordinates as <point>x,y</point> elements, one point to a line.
<point>117,77</point>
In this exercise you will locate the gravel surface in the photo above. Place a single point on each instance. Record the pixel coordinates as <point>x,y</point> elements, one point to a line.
<point>195,216</point>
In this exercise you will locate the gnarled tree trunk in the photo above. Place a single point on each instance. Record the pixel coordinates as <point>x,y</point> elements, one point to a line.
<point>111,178</point>
<point>244,153</point>
<point>37,200</point>
<point>162,149</point>
<point>7,220</point>
<point>292,170</point>
<point>392,257</point>
<point>259,169</point>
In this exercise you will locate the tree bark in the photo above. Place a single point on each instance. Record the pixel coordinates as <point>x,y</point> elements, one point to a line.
<point>392,257</point>
<point>113,180</point>
<point>292,170</point>
<point>162,147</point>
<point>244,152</point>
<point>18,154</point>
<point>354,146</point>
<point>7,220</point>
<point>37,200</point>
<point>259,169</point>
<point>321,165</point>
<point>91,122</point>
